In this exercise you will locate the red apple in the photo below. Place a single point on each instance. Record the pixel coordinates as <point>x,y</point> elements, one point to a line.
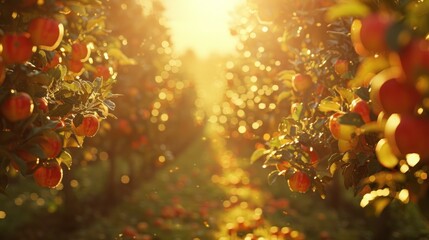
<point>102,71</point>
<point>88,127</point>
<point>56,59</point>
<point>2,72</point>
<point>415,59</point>
<point>80,52</point>
<point>51,143</point>
<point>42,104</point>
<point>283,166</point>
<point>46,33</point>
<point>373,32</point>
<point>27,3</point>
<point>341,66</point>
<point>301,82</point>
<point>17,107</point>
<point>17,48</point>
<point>299,182</point>
<point>75,66</point>
<point>362,108</point>
<point>391,96</point>
<point>48,175</point>
<point>314,157</point>
<point>30,160</point>
<point>408,134</point>
<point>341,131</point>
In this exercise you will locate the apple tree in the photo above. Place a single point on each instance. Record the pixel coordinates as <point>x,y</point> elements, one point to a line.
<point>57,73</point>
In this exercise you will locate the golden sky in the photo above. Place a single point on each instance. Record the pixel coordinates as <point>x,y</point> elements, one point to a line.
<point>201,25</point>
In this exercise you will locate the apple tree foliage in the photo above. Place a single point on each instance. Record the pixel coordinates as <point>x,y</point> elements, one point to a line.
<point>340,117</point>
<point>66,80</point>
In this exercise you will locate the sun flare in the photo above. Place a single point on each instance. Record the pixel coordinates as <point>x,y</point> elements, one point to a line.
<point>201,25</point>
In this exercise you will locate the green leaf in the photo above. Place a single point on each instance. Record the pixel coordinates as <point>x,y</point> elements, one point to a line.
<point>65,158</point>
<point>351,118</point>
<point>110,104</point>
<point>349,8</point>
<point>328,105</point>
<point>257,154</point>
<point>272,176</point>
<point>284,96</point>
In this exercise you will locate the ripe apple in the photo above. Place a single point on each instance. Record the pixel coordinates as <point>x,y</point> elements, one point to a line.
<point>2,72</point>
<point>299,182</point>
<point>51,143</point>
<point>27,3</point>
<point>56,59</point>
<point>30,160</point>
<point>283,166</point>
<point>355,37</point>
<point>102,71</point>
<point>88,127</point>
<point>362,108</point>
<point>373,32</point>
<point>341,131</point>
<point>314,157</point>
<point>17,48</point>
<point>347,145</point>
<point>80,52</point>
<point>341,66</point>
<point>301,82</point>
<point>408,134</point>
<point>48,175</point>
<point>47,33</point>
<point>42,104</point>
<point>415,59</point>
<point>391,96</point>
<point>17,107</point>
<point>75,66</point>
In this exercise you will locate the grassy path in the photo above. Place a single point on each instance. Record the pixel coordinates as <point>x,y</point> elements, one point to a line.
<point>208,193</point>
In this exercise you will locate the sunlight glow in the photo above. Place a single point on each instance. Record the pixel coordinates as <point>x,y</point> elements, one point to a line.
<point>202,26</point>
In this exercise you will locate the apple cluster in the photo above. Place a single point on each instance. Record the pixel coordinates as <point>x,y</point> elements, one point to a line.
<point>38,54</point>
<point>398,90</point>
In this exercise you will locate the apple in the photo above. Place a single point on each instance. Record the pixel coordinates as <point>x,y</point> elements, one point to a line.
<point>18,106</point>
<point>341,66</point>
<point>88,127</point>
<point>75,66</point>
<point>48,175</point>
<point>56,59</point>
<point>2,72</point>
<point>347,145</point>
<point>27,3</point>
<point>51,143</point>
<point>356,40</point>
<point>392,96</point>
<point>314,157</point>
<point>415,59</point>
<point>47,33</point>
<point>102,71</point>
<point>341,131</point>
<point>130,232</point>
<point>362,108</point>
<point>301,82</point>
<point>80,52</point>
<point>17,48</point>
<point>283,166</point>
<point>42,104</point>
<point>30,160</point>
<point>299,182</point>
<point>373,32</point>
<point>408,134</point>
